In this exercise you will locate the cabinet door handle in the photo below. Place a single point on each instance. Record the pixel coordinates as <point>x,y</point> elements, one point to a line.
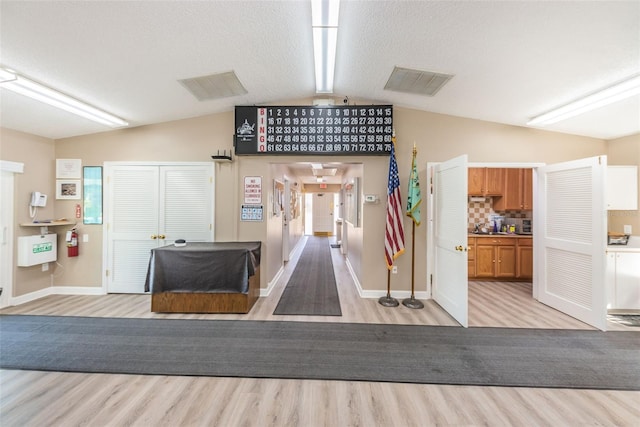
<point>154,237</point>
<point>162,236</point>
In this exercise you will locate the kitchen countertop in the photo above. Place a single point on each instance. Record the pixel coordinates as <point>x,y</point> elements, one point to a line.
<point>508,235</point>
<point>632,246</point>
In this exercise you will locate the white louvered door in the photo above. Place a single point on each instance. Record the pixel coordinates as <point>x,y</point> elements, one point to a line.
<point>148,207</point>
<point>570,237</point>
<point>186,194</point>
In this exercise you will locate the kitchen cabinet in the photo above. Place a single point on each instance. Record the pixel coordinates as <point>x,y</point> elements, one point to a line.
<point>623,280</point>
<point>518,190</point>
<point>622,188</point>
<point>524,257</point>
<point>485,181</point>
<point>495,257</point>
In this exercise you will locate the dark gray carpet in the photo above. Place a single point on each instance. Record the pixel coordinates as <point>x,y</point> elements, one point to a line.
<point>311,290</point>
<point>332,351</point>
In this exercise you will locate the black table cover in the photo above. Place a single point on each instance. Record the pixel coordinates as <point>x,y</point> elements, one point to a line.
<point>211,267</point>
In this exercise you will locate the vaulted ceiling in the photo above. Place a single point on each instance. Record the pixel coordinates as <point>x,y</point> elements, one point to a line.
<point>511,60</point>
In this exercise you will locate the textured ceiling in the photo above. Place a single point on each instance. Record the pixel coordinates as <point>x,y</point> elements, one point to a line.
<point>511,60</point>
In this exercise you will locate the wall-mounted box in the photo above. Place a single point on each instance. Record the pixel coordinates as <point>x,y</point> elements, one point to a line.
<point>38,249</point>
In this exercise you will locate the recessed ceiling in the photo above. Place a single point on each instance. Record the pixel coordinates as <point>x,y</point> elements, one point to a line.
<point>511,60</point>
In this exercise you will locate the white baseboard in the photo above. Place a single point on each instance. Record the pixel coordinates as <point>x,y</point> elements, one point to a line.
<point>56,290</point>
<point>272,284</point>
<point>377,294</point>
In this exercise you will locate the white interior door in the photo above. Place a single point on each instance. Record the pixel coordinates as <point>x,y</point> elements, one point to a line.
<point>322,212</point>
<point>186,203</point>
<point>6,237</point>
<point>132,225</point>
<point>450,282</point>
<point>571,239</point>
<point>152,206</point>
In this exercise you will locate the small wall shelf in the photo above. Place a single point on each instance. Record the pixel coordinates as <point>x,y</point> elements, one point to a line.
<point>44,225</point>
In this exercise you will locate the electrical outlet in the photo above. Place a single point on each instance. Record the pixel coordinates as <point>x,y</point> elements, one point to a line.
<point>627,229</point>
<point>394,269</point>
<point>45,266</point>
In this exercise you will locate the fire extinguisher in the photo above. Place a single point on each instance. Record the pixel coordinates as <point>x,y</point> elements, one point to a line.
<point>72,243</point>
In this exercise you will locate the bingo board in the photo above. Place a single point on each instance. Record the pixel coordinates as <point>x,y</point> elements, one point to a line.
<point>314,130</point>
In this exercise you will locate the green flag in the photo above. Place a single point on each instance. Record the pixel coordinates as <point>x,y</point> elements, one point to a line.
<point>414,200</point>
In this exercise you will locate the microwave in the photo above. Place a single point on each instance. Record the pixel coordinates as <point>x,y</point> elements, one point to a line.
<point>527,225</point>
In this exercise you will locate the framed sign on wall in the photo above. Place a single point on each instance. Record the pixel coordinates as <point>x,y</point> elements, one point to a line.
<point>315,130</point>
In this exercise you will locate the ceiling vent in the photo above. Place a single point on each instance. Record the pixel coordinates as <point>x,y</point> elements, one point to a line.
<point>214,86</point>
<point>417,82</point>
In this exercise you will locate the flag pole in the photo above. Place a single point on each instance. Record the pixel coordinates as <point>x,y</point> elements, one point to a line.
<point>413,302</point>
<point>388,300</point>
<point>413,210</point>
<point>394,232</point>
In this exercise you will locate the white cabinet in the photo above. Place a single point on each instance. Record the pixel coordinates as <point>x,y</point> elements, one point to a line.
<point>623,280</point>
<point>622,188</point>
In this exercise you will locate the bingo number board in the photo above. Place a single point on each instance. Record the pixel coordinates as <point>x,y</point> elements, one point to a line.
<point>320,130</point>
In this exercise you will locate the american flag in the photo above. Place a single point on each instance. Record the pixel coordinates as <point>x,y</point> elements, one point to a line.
<point>394,235</point>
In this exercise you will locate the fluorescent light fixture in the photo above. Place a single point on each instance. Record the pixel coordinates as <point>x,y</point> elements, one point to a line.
<point>617,92</point>
<point>324,20</point>
<point>24,86</point>
<point>316,166</point>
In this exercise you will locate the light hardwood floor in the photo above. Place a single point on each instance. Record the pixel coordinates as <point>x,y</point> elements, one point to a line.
<point>29,398</point>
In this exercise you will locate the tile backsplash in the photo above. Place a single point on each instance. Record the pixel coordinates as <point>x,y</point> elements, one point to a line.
<point>481,211</point>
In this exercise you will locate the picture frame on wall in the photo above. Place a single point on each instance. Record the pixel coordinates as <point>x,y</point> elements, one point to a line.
<point>68,168</point>
<point>68,189</point>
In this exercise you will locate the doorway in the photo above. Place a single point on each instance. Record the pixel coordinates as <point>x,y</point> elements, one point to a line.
<point>552,285</point>
<point>321,213</point>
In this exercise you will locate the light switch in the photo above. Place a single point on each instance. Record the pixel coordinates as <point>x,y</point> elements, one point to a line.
<point>85,238</point>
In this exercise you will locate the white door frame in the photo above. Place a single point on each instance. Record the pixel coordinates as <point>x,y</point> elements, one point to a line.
<point>7,224</point>
<point>286,220</point>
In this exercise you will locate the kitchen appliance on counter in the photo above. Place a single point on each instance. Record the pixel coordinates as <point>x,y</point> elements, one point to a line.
<point>617,239</point>
<point>521,226</point>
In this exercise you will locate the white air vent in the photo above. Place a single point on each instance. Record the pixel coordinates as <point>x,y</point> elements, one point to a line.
<point>214,86</point>
<point>417,82</point>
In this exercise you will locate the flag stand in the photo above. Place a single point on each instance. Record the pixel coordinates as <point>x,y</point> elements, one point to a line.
<point>388,300</point>
<point>413,302</point>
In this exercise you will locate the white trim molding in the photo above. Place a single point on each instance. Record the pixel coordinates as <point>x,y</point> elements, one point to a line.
<point>14,167</point>
<point>56,290</point>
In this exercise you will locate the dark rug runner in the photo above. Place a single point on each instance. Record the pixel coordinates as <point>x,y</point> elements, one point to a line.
<point>311,290</point>
<point>330,351</point>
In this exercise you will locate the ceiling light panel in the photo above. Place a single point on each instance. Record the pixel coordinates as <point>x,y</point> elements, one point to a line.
<point>24,86</point>
<point>418,82</point>
<point>324,172</point>
<point>214,86</point>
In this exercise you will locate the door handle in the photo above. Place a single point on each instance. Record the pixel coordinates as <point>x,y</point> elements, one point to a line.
<point>162,236</point>
<point>459,248</point>
<point>154,237</point>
